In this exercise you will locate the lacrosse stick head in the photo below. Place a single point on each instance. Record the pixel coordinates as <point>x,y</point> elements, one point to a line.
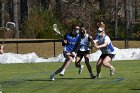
<point>10,26</point>
<point>54,26</point>
<point>56,29</point>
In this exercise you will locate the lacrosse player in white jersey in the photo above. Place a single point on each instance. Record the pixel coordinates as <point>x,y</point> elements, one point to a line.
<point>84,51</point>
<point>103,43</point>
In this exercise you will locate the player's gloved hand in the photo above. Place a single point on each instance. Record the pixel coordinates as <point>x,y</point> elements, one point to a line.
<point>64,42</point>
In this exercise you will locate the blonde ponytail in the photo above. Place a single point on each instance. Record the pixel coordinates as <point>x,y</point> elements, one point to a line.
<point>102,24</point>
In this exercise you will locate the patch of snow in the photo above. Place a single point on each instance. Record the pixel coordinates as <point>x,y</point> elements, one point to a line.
<point>121,54</point>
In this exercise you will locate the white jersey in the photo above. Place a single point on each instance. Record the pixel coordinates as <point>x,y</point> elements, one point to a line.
<point>109,49</point>
<point>84,44</point>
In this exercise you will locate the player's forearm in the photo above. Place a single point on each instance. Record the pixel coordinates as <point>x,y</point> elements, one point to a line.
<point>101,46</point>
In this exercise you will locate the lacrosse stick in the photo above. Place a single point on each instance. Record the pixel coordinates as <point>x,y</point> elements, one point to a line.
<point>9,27</point>
<point>57,30</point>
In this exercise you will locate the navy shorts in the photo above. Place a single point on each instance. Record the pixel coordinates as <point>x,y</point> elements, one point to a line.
<point>110,55</point>
<point>82,53</point>
<point>64,53</point>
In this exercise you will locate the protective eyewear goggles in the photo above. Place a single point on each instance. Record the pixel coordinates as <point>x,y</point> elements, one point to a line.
<point>100,30</point>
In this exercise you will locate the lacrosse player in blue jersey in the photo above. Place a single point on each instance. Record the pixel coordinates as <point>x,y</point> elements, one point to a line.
<point>71,44</point>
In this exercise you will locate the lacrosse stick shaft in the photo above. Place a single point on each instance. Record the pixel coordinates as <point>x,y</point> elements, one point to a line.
<point>2,46</point>
<point>5,35</point>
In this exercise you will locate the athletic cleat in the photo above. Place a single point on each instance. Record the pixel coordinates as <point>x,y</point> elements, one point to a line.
<point>62,73</point>
<point>112,71</point>
<point>92,76</point>
<point>80,69</point>
<point>52,77</point>
<point>98,76</point>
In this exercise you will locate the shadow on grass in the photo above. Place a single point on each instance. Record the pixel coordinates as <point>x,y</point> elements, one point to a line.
<point>56,79</point>
<point>23,80</point>
<point>10,83</point>
<point>72,78</point>
<point>115,80</point>
<point>136,89</point>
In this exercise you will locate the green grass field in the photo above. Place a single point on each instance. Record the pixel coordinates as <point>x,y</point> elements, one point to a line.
<point>34,78</point>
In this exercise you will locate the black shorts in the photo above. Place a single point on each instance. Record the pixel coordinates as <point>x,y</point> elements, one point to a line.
<point>110,55</point>
<point>82,53</point>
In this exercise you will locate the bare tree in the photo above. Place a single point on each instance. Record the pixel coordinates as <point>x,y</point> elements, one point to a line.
<point>15,7</point>
<point>52,5</point>
<point>23,10</point>
<point>45,4</point>
<point>116,18</point>
<point>58,7</point>
<point>2,12</point>
<point>103,5</point>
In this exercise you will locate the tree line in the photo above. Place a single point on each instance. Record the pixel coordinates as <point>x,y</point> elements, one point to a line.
<point>35,18</point>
